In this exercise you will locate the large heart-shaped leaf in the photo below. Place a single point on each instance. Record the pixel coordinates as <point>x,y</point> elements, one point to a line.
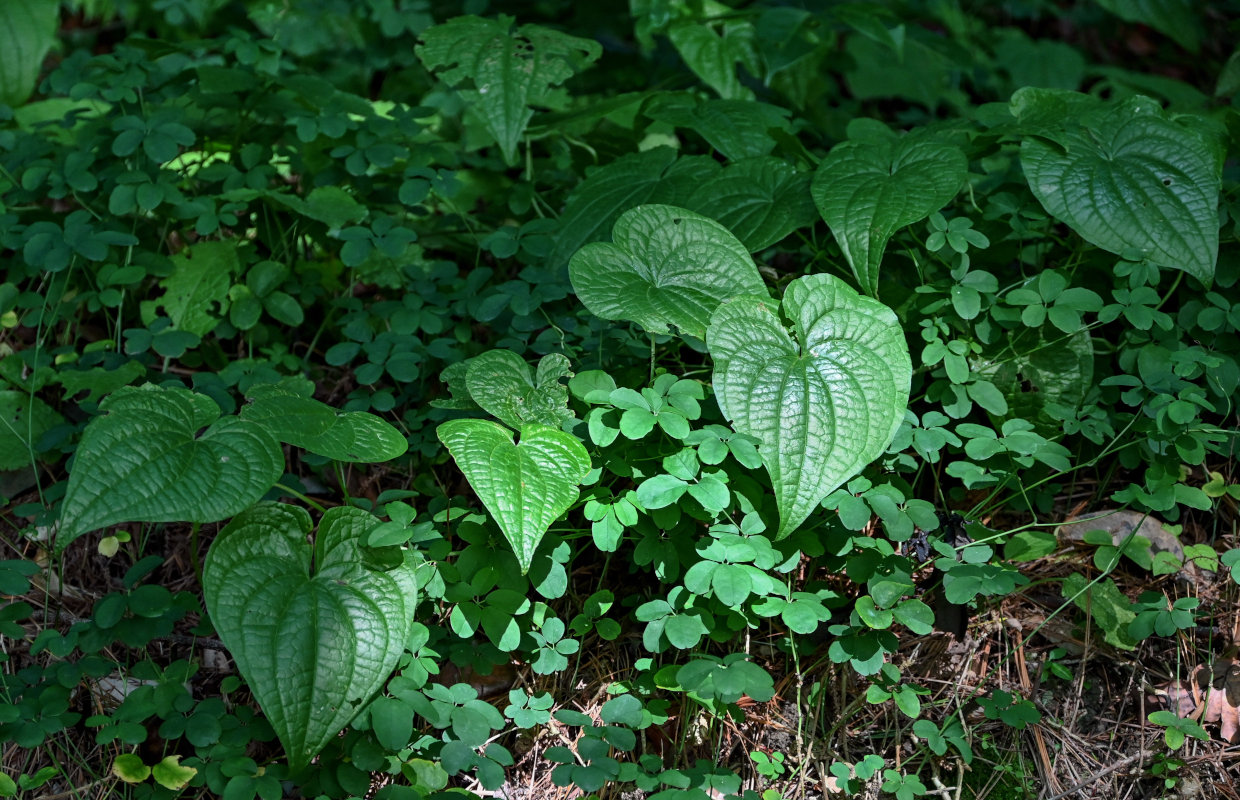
<point>525,486</point>
<point>27,32</point>
<point>144,460</point>
<point>503,385</point>
<point>736,128</point>
<point>868,190</point>
<point>1127,179</point>
<point>664,266</point>
<point>822,409</point>
<point>288,412</point>
<point>313,631</point>
<point>761,200</point>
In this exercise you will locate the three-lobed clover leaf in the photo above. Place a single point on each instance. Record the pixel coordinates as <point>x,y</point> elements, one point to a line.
<point>867,190</point>
<point>822,405</point>
<point>665,266</point>
<point>313,631</point>
<point>1127,178</point>
<point>525,486</point>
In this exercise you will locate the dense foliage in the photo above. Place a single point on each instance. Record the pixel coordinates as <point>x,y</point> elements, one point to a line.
<point>375,376</point>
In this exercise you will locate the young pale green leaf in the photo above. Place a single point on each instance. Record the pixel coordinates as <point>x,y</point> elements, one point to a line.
<point>27,32</point>
<point>761,200</point>
<point>822,409</point>
<point>314,632</point>
<point>664,266</point>
<point>196,294</point>
<point>287,412</point>
<point>504,386</point>
<point>1128,179</point>
<point>868,190</point>
<point>525,486</point>
<point>23,419</point>
<point>144,460</point>
<point>507,71</point>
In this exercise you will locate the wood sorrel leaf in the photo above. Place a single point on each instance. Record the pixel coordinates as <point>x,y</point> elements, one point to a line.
<point>1127,177</point>
<point>313,631</point>
<point>868,190</point>
<point>144,460</point>
<point>664,266</point>
<point>821,409</point>
<point>761,200</point>
<point>503,385</point>
<point>525,486</point>
<point>288,412</point>
<point>507,70</point>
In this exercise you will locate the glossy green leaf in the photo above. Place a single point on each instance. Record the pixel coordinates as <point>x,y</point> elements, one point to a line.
<point>1126,178</point>
<point>664,266</point>
<point>525,486</point>
<point>23,419</point>
<point>27,32</point>
<point>314,632</point>
<point>868,190</point>
<point>504,386</point>
<point>288,412</point>
<point>761,200</point>
<point>145,460</point>
<point>504,72</point>
<point>822,405</point>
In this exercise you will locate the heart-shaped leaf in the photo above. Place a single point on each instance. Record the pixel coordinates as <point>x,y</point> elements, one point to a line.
<point>1127,178</point>
<point>313,631</point>
<point>503,385</point>
<point>761,200</point>
<point>664,266</point>
<point>23,419</point>
<point>27,32</point>
<point>525,486</point>
<point>868,190</point>
<point>822,410</point>
<point>288,412</point>
<point>144,460</point>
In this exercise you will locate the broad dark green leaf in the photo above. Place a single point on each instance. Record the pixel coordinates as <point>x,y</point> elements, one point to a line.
<point>288,412</point>
<point>144,460</point>
<point>525,486</point>
<point>502,71</point>
<point>196,293</point>
<point>868,190</point>
<point>714,49</point>
<point>665,266</point>
<point>823,405</point>
<point>314,632</point>
<point>1127,177</point>
<point>736,128</point>
<point>1179,19</point>
<point>761,200</point>
<point>27,32</point>
<point>651,176</point>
